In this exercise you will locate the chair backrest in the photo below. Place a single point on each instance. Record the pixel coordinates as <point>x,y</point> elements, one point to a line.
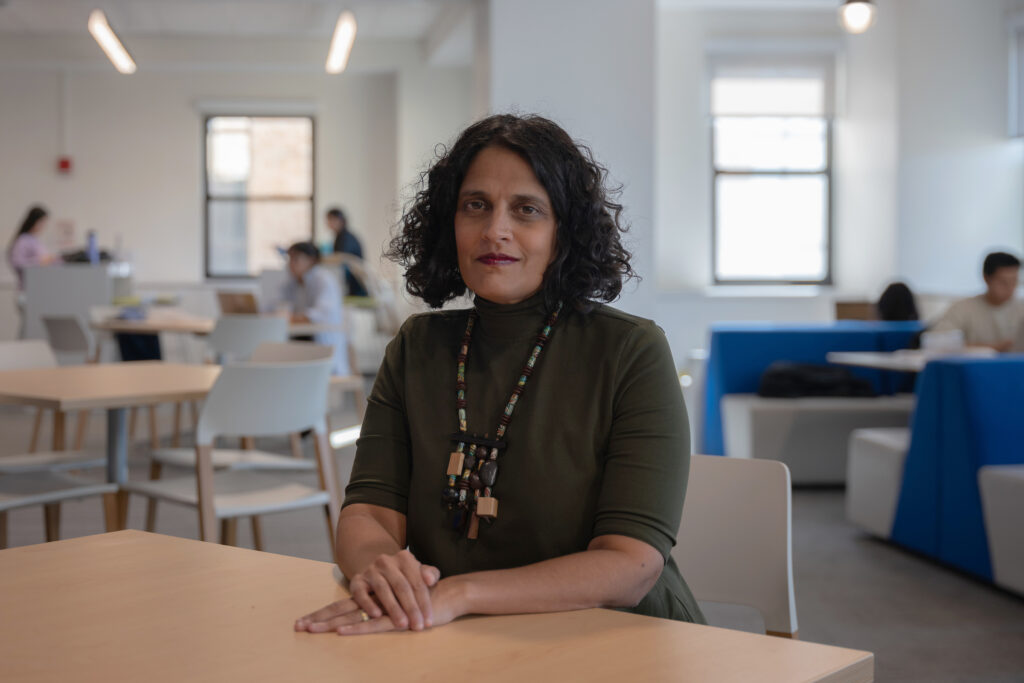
<point>264,399</point>
<point>63,290</point>
<point>26,354</point>
<point>290,352</point>
<point>735,540</point>
<point>68,334</point>
<point>235,337</point>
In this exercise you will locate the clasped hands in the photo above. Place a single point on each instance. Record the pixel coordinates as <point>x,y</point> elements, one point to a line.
<point>395,593</point>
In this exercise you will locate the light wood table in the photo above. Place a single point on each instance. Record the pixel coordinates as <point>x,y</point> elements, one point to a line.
<point>187,324</point>
<point>131,606</point>
<point>111,386</point>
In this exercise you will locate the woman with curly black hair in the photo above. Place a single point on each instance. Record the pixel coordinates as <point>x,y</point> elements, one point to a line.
<point>564,409</point>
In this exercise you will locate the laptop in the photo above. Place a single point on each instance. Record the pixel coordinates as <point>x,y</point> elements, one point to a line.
<point>238,303</point>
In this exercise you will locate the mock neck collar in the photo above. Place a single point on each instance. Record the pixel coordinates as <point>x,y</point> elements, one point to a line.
<point>511,321</point>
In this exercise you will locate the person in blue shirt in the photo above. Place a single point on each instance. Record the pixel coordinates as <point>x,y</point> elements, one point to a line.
<point>346,243</point>
<point>313,295</point>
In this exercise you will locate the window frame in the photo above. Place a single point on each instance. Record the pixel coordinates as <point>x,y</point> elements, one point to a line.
<point>207,197</point>
<point>828,116</point>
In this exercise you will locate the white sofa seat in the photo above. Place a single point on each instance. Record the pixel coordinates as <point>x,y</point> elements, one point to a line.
<point>1002,500</point>
<point>874,476</point>
<point>810,435</point>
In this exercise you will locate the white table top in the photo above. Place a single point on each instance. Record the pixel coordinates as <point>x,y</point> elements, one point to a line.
<point>905,360</point>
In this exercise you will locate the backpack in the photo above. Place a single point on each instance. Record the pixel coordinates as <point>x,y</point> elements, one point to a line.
<point>784,379</point>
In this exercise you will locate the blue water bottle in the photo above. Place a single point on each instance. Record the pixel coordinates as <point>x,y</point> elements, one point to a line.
<point>92,249</point>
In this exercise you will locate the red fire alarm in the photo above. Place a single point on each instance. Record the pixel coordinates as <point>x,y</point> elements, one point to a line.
<point>64,164</point>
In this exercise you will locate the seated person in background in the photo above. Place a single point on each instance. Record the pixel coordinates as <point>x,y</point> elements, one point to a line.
<point>897,303</point>
<point>314,296</point>
<point>26,249</point>
<point>346,243</point>
<point>990,319</point>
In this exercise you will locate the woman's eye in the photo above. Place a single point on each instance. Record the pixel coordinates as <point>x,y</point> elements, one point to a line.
<point>474,205</point>
<point>529,210</point>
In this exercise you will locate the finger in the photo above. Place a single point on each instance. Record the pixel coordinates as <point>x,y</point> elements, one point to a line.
<point>361,594</point>
<point>353,617</point>
<point>372,626</point>
<point>324,614</point>
<point>404,590</point>
<point>431,575</point>
<point>421,591</point>
<point>382,591</point>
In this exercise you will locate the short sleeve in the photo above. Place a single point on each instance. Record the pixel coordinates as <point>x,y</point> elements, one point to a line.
<point>648,458</point>
<point>382,468</point>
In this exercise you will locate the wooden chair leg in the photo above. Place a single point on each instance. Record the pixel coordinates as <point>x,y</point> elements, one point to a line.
<point>3,530</point>
<point>155,470</point>
<point>229,531</point>
<point>133,416</point>
<point>194,407</point>
<point>37,427</point>
<point>51,517</point>
<point>248,443</point>
<point>328,482</point>
<point>176,436</point>
<point>359,395</point>
<point>257,533</point>
<point>110,516</point>
<point>205,493</point>
<point>154,429</point>
<point>296,442</point>
<point>81,428</point>
<point>122,509</point>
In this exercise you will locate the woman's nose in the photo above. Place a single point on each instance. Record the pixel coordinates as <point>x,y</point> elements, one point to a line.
<point>499,227</point>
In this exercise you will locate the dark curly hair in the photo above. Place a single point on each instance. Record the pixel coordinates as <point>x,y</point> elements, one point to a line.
<point>590,261</point>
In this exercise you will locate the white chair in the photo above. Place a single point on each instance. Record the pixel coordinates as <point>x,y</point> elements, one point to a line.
<point>30,470</point>
<point>70,335</point>
<point>46,488</point>
<point>735,540</point>
<point>874,477</point>
<point>255,399</point>
<point>1002,500</point>
<point>235,337</point>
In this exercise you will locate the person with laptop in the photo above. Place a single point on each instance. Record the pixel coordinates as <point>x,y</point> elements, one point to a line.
<point>991,319</point>
<point>313,295</point>
<point>346,243</point>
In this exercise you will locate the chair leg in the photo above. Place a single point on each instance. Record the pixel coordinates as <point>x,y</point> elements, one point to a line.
<point>359,395</point>
<point>328,482</point>
<point>154,431</point>
<point>194,407</point>
<point>257,533</point>
<point>229,531</point>
<point>37,427</point>
<point>51,517</point>
<point>133,416</point>
<point>81,428</point>
<point>3,530</point>
<point>155,470</point>
<point>205,493</point>
<point>176,436</point>
<point>296,443</point>
<point>248,443</point>
<point>110,512</point>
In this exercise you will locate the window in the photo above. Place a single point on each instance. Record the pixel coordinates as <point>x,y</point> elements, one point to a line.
<point>259,191</point>
<point>771,132</point>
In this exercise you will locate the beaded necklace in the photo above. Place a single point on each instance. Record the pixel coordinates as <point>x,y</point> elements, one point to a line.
<point>476,469</point>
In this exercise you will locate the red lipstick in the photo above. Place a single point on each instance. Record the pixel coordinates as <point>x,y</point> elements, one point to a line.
<point>496,259</point>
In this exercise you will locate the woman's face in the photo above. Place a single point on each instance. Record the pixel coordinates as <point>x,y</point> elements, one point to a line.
<point>39,226</point>
<point>504,227</point>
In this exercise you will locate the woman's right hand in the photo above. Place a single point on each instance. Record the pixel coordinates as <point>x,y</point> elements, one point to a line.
<point>397,585</point>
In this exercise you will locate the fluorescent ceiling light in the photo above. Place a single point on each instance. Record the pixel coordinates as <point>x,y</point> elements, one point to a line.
<point>345,437</point>
<point>104,35</point>
<point>856,16</point>
<point>341,43</point>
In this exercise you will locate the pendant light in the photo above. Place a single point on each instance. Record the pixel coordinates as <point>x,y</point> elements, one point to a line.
<point>857,16</point>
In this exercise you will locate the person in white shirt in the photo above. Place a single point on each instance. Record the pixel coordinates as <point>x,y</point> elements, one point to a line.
<point>993,318</point>
<point>314,295</point>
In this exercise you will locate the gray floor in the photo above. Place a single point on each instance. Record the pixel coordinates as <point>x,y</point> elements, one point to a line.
<point>923,622</point>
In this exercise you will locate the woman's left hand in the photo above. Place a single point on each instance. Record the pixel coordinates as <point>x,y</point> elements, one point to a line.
<point>345,617</point>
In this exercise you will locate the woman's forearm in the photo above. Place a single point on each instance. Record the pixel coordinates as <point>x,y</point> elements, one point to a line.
<point>593,578</point>
<point>361,539</point>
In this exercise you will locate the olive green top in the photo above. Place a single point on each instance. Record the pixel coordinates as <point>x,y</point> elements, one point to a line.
<point>599,442</point>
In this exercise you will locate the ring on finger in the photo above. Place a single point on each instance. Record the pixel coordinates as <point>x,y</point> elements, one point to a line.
<point>363,616</point>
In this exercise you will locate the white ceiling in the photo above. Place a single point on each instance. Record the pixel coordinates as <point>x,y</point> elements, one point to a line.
<point>397,19</point>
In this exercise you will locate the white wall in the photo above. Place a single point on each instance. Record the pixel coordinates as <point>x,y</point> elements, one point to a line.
<point>960,176</point>
<point>589,64</point>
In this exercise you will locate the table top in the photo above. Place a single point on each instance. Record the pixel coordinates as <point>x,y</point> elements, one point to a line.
<point>905,360</point>
<point>136,606</point>
<point>188,324</point>
<point>107,385</point>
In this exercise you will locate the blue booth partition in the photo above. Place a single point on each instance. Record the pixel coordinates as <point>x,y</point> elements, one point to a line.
<point>970,413</point>
<point>741,352</point>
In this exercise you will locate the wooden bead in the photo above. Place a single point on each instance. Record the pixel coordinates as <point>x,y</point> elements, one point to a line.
<point>455,463</point>
<point>487,508</point>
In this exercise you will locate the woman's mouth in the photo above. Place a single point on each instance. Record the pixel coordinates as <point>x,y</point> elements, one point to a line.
<point>496,259</point>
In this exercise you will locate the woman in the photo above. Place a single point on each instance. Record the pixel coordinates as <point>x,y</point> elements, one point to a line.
<point>26,249</point>
<point>566,410</point>
<point>314,296</point>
